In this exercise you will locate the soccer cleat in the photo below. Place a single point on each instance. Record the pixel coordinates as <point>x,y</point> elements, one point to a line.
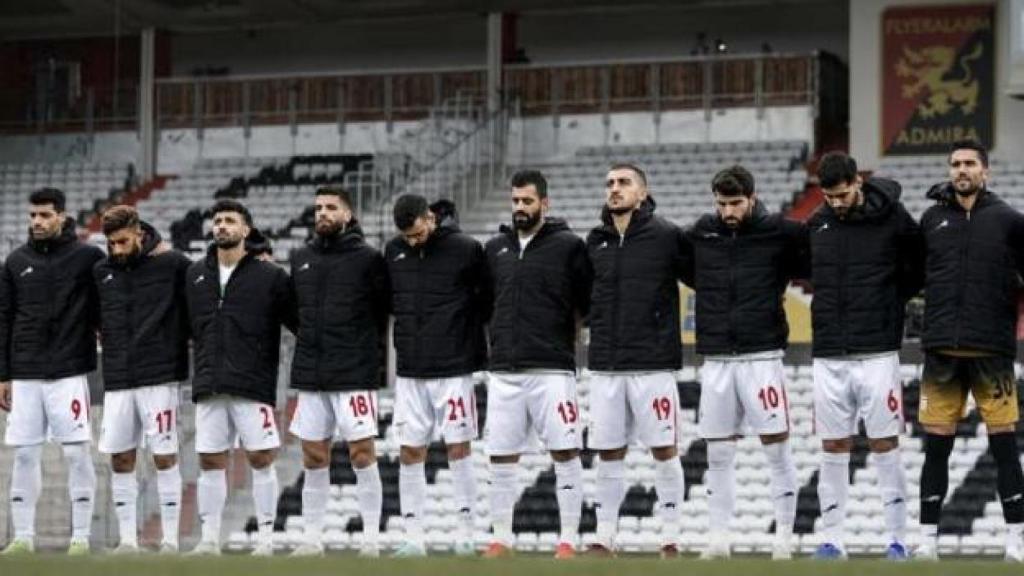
<point>498,550</point>
<point>897,552</point>
<point>308,549</point>
<point>716,550</point>
<point>263,550</point>
<point>79,548</point>
<point>782,551</point>
<point>369,550</point>
<point>926,553</point>
<point>410,550</point>
<point>829,551</point>
<point>125,549</point>
<point>19,547</point>
<point>669,552</point>
<point>1014,554</point>
<point>565,551</point>
<point>465,548</point>
<point>206,548</point>
<point>600,551</point>
<point>168,549</point>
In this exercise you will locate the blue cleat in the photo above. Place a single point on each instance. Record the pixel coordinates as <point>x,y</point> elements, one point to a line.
<point>896,552</point>
<point>829,551</point>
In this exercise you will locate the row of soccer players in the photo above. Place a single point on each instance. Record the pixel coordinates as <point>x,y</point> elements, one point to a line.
<point>531,285</point>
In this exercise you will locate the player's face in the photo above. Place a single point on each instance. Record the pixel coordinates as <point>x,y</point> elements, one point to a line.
<point>624,191</point>
<point>45,221</point>
<point>733,210</point>
<point>229,229</point>
<point>420,231</point>
<point>332,215</point>
<point>124,244</point>
<point>527,207</point>
<point>844,196</point>
<point>966,172</point>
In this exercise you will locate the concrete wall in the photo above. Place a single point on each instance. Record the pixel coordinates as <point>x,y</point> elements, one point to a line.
<point>865,90</point>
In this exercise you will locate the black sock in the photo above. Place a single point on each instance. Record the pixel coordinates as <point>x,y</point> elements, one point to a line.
<point>1010,478</point>
<point>934,476</point>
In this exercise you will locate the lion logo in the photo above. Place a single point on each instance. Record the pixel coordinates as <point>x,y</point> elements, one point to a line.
<point>926,70</point>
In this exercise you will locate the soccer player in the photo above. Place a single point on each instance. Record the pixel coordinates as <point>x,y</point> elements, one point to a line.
<point>144,330</point>
<point>341,290</point>
<point>438,297</point>
<point>975,254</point>
<point>744,257</point>
<point>638,260</point>
<point>48,321</point>
<point>867,257</point>
<point>237,305</point>
<point>541,284</point>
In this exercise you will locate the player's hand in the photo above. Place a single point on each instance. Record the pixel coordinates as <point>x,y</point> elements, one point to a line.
<point>5,396</point>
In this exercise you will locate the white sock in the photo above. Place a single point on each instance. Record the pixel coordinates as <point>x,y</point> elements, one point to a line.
<point>124,490</point>
<point>211,497</point>
<point>26,482</point>
<point>168,489</point>
<point>264,497</point>
<point>81,488</point>
<point>833,486</point>
<point>720,483</point>
<point>611,489</point>
<point>784,487</point>
<point>371,499</point>
<point>316,489</point>
<point>503,501</point>
<point>412,491</point>
<point>1013,532</point>
<point>464,482</point>
<point>893,484</point>
<point>930,535</point>
<point>668,483</point>
<point>569,493</point>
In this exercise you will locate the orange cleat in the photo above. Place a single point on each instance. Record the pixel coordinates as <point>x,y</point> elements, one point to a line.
<point>565,551</point>
<point>498,550</point>
<point>669,551</point>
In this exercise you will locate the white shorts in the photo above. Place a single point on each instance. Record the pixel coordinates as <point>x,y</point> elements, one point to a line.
<point>846,391</point>
<point>426,409</point>
<point>148,414</point>
<point>350,416</point>
<point>542,401</point>
<point>737,396</point>
<point>221,420</point>
<point>43,410</point>
<point>628,406</point>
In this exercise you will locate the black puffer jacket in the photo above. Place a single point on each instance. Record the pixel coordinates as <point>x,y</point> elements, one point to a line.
<point>972,273</point>
<point>237,337</point>
<point>740,276</point>
<point>341,289</point>
<point>634,304</point>
<point>538,295</point>
<point>439,299</point>
<point>864,267</point>
<point>144,316</point>
<point>49,310</point>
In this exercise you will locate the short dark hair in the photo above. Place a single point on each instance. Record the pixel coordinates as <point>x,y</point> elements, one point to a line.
<point>733,181</point>
<point>534,178</point>
<point>628,166</point>
<point>230,205</point>
<point>409,207</point>
<point>836,168</point>
<point>335,190</point>
<point>118,218</point>
<point>970,145</point>
<point>48,195</point>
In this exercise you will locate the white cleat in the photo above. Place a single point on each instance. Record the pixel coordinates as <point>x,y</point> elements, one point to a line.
<point>206,548</point>
<point>410,550</point>
<point>716,550</point>
<point>782,551</point>
<point>465,548</point>
<point>926,553</point>
<point>125,549</point>
<point>168,549</point>
<point>1014,554</point>
<point>263,550</point>
<point>369,551</point>
<point>309,549</point>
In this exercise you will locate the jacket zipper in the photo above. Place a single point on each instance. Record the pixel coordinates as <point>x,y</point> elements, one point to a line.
<point>218,318</point>
<point>732,293</point>
<point>961,285</point>
<point>843,245</point>
<point>618,292</point>
<point>321,283</point>
<point>130,317</point>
